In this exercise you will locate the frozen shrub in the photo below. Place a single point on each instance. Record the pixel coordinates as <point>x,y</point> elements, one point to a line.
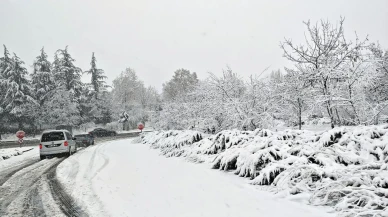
<point>171,142</point>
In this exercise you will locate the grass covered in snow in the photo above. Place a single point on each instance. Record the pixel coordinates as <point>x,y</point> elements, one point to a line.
<point>345,168</point>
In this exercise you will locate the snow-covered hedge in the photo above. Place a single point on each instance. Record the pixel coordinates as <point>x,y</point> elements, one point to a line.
<point>346,168</point>
<point>171,142</point>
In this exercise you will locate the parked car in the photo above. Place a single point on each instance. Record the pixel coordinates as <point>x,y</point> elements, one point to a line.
<point>100,132</point>
<point>84,139</point>
<point>55,142</point>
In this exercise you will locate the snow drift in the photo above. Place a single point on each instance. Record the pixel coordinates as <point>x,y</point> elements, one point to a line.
<point>346,167</point>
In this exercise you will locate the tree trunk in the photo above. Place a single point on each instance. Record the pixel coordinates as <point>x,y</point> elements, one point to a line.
<point>330,113</point>
<point>300,113</point>
<point>34,129</point>
<point>338,117</point>
<point>20,124</point>
<point>377,117</point>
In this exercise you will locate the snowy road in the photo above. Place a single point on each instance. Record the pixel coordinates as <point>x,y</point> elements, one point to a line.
<point>29,187</point>
<point>120,178</point>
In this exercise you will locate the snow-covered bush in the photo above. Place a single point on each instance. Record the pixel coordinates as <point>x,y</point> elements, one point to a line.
<point>346,167</point>
<point>171,142</point>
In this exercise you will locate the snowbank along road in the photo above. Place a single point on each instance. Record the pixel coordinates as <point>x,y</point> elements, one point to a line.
<point>29,187</point>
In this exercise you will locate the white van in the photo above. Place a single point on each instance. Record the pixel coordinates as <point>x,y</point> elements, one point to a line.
<point>55,142</point>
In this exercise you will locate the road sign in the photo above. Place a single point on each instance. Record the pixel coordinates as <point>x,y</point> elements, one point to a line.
<point>20,142</point>
<point>140,127</point>
<point>20,134</point>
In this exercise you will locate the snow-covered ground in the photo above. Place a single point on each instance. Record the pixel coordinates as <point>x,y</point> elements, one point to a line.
<point>344,168</point>
<point>18,159</point>
<point>123,178</point>
<point>7,153</point>
<point>12,137</point>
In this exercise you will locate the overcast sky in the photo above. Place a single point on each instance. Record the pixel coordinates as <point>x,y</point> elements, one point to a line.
<point>156,37</point>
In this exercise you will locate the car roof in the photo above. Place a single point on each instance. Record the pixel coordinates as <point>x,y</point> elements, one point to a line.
<point>50,131</point>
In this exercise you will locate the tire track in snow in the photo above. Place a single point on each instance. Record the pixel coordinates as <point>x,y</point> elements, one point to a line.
<point>83,189</point>
<point>68,206</point>
<point>10,171</point>
<point>13,192</point>
<point>33,205</point>
<point>106,162</point>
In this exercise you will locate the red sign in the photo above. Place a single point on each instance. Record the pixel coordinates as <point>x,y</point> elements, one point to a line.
<point>20,134</point>
<point>140,126</point>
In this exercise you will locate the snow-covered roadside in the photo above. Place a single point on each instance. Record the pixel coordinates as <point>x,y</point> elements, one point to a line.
<point>345,168</point>
<point>76,174</point>
<point>122,178</point>
<point>12,137</point>
<point>10,152</point>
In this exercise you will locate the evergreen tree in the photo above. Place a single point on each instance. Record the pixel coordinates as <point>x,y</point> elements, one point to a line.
<point>5,67</point>
<point>18,91</point>
<point>42,77</point>
<point>42,82</point>
<point>98,77</point>
<point>66,74</point>
<point>104,107</point>
<point>86,105</point>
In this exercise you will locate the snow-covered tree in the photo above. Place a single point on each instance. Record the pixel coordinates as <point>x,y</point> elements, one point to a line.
<point>127,96</point>
<point>182,82</point>
<point>295,96</point>
<point>18,93</point>
<point>66,74</point>
<point>60,109</point>
<point>42,79</point>
<point>322,59</point>
<point>104,108</point>
<point>6,65</point>
<point>98,77</point>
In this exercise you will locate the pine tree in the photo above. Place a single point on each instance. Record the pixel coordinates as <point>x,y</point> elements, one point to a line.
<point>98,77</point>
<point>18,91</point>
<point>42,82</point>
<point>5,63</point>
<point>42,77</point>
<point>5,67</point>
<point>66,74</point>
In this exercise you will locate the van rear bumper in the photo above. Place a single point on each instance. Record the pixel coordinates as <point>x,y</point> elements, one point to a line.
<point>52,152</point>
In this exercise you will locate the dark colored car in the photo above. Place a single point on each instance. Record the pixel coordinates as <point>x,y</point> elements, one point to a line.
<point>84,139</point>
<point>100,132</point>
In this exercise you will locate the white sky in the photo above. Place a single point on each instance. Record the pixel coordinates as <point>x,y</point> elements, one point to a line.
<point>156,37</point>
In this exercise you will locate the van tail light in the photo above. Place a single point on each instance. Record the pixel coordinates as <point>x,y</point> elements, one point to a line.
<point>66,143</point>
<point>40,146</point>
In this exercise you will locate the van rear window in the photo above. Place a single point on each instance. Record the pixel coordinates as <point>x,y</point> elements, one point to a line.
<point>53,136</point>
